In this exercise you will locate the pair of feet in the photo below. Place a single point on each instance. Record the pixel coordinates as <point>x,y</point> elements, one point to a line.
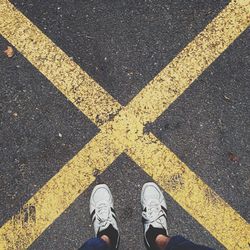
<point>154,214</point>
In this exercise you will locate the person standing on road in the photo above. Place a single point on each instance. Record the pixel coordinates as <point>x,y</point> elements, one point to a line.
<point>154,217</point>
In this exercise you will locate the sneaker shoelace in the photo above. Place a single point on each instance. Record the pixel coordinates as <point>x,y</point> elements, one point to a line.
<point>103,214</point>
<point>153,212</point>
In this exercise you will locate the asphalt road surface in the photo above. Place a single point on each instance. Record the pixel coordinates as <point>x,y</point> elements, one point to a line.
<point>123,45</point>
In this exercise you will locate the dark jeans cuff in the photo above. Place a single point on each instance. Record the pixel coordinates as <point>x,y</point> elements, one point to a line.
<point>174,241</point>
<point>180,243</point>
<point>95,244</point>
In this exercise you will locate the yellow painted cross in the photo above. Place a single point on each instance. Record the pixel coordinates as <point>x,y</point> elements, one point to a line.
<point>122,129</point>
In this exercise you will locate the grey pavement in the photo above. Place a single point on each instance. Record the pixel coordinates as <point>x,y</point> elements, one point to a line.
<point>123,45</point>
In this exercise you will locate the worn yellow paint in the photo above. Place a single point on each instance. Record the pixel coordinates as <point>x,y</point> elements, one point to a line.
<point>170,83</point>
<point>53,63</point>
<point>191,192</point>
<point>59,192</point>
<point>125,131</point>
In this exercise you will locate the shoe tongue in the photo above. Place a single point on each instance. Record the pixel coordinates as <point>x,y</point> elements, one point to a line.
<point>154,203</point>
<point>153,209</point>
<point>103,210</point>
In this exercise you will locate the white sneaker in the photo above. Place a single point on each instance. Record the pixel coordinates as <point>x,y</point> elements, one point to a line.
<point>154,212</point>
<point>103,214</point>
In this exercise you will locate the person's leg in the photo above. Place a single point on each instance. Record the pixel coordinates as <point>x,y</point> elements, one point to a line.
<point>177,243</point>
<point>154,217</point>
<point>104,220</point>
<point>95,244</point>
<point>161,241</point>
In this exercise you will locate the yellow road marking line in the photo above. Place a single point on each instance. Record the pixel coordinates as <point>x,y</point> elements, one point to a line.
<point>191,192</point>
<point>121,125</point>
<point>191,61</point>
<point>59,192</point>
<point>53,63</point>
